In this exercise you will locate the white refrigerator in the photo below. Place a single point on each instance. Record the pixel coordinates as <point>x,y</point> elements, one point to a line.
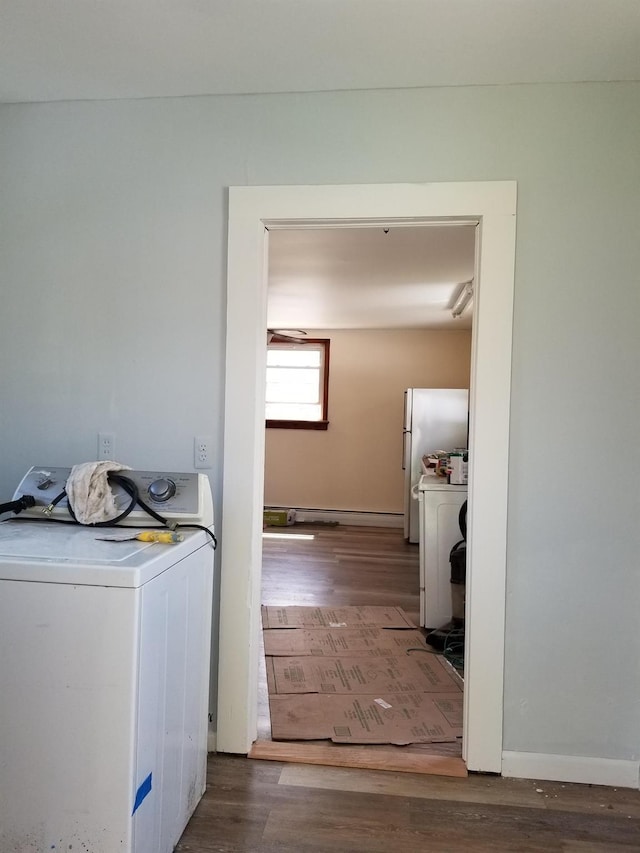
<point>434,419</point>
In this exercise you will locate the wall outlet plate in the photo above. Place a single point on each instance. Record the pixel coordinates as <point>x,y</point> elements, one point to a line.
<point>106,446</point>
<point>202,451</point>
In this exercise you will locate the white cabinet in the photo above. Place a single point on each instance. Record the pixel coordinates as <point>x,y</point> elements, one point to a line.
<point>439,508</point>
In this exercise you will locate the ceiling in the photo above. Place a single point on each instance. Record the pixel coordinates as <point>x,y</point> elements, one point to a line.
<point>100,49</point>
<point>368,278</point>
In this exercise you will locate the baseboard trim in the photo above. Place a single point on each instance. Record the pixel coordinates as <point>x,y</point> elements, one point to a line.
<point>571,768</point>
<point>353,517</point>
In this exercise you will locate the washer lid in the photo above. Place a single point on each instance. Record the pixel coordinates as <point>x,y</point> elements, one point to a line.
<point>66,553</point>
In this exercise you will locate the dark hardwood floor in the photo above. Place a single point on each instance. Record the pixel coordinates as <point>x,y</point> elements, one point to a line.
<point>268,806</point>
<point>341,565</point>
<point>264,807</point>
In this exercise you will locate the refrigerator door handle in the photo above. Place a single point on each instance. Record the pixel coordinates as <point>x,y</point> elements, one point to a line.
<point>405,433</point>
<point>406,430</point>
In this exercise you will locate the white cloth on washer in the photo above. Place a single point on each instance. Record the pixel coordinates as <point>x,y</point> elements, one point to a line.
<point>89,492</point>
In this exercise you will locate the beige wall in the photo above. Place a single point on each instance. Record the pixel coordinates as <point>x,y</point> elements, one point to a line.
<point>357,463</point>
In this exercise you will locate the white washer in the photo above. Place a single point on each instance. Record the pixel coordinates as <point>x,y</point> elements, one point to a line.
<point>104,674</point>
<point>440,505</point>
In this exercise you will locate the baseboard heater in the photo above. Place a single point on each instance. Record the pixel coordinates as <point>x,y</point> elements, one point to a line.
<point>347,516</point>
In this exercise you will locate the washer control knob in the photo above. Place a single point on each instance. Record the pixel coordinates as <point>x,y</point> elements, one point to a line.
<point>162,490</point>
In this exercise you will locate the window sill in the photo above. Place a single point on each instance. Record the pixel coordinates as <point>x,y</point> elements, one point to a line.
<point>323,425</point>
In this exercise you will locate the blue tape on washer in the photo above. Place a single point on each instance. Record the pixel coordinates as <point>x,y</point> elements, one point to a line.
<point>141,793</point>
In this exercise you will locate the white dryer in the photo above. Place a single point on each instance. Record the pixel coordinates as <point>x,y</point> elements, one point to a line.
<point>439,509</point>
<point>104,672</point>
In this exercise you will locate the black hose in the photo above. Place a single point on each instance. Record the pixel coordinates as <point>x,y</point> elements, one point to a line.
<point>24,502</point>
<point>462,520</point>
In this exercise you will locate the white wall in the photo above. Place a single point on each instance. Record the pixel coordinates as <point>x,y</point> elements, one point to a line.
<point>112,268</point>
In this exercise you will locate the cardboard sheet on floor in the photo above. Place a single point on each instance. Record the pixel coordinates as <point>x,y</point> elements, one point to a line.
<point>411,673</point>
<point>339,642</point>
<point>356,675</point>
<point>335,617</point>
<point>398,719</point>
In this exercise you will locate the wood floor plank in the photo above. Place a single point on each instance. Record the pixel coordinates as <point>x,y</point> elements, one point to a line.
<point>472,790</point>
<point>592,847</point>
<point>343,824</point>
<point>362,757</point>
<point>357,833</point>
<point>476,788</point>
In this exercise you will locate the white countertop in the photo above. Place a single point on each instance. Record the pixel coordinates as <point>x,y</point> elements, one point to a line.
<point>431,482</point>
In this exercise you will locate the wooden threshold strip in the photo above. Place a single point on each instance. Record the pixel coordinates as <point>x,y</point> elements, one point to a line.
<point>364,759</point>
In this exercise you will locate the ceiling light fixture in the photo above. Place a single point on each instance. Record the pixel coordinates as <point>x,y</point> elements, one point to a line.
<point>280,336</point>
<point>463,298</point>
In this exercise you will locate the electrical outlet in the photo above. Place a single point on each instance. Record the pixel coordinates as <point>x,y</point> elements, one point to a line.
<point>202,450</point>
<point>106,446</point>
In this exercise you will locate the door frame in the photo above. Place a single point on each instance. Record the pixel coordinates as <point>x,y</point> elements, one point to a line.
<point>252,212</point>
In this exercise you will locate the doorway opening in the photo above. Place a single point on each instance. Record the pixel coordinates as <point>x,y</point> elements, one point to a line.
<point>382,298</point>
<point>253,210</point>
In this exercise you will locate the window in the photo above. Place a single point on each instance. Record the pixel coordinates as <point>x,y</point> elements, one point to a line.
<point>298,384</point>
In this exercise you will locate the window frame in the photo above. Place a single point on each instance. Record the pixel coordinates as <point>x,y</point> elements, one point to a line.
<point>323,423</point>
